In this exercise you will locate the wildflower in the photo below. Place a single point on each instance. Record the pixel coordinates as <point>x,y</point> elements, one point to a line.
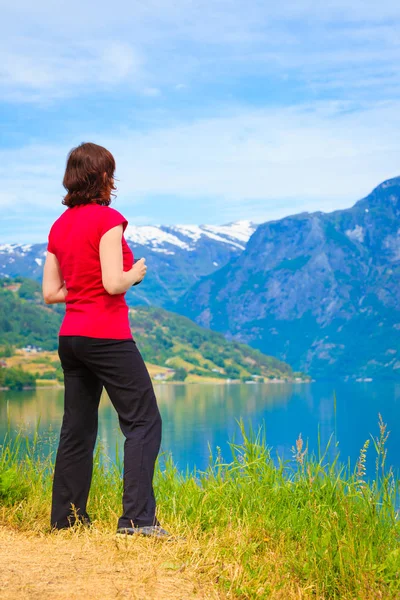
<point>361,462</point>
<point>299,453</point>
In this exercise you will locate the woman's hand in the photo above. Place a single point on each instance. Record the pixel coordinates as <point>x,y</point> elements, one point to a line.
<point>139,270</point>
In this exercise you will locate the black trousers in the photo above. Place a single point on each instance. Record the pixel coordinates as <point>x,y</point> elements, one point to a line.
<point>89,364</point>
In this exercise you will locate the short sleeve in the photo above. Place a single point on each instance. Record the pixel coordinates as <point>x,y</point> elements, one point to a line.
<point>50,242</point>
<point>111,218</point>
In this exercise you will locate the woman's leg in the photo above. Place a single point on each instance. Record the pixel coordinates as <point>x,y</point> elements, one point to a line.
<point>119,364</point>
<point>74,461</point>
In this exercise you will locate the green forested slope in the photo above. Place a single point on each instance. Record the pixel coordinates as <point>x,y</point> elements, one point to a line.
<point>24,318</point>
<point>164,338</point>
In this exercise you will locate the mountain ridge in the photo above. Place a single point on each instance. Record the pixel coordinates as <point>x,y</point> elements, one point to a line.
<point>313,287</point>
<point>176,255</point>
<point>318,290</point>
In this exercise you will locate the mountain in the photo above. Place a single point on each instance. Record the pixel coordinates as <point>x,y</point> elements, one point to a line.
<point>177,257</point>
<point>165,339</point>
<point>318,290</point>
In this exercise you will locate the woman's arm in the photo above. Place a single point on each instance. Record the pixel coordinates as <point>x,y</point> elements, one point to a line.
<point>115,279</point>
<point>54,290</point>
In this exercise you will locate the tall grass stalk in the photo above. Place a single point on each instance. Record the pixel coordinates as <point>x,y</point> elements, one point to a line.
<point>307,527</point>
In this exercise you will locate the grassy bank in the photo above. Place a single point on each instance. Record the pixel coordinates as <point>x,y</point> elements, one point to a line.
<point>304,529</point>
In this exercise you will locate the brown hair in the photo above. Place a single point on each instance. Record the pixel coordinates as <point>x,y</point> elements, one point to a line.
<point>89,175</point>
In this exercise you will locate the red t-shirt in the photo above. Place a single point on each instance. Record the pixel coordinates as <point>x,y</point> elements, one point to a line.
<point>74,238</point>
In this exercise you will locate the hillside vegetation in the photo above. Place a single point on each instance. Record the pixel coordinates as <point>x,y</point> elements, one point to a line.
<point>168,338</point>
<point>24,318</point>
<point>164,338</point>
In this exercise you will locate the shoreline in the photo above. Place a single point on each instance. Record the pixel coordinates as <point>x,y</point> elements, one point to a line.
<point>214,382</point>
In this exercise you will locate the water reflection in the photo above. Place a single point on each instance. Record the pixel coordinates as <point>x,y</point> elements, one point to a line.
<point>196,416</point>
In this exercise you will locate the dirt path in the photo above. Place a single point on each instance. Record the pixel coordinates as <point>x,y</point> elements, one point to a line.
<point>95,566</point>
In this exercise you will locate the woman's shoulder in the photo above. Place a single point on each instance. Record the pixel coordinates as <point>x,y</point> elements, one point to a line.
<point>60,220</point>
<point>110,217</point>
<point>109,210</point>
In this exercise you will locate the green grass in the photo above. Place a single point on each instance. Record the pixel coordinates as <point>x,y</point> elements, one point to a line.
<point>306,527</point>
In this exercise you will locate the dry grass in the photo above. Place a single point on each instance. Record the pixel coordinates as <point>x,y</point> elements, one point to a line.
<point>94,565</point>
<point>42,362</point>
<point>33,362</point>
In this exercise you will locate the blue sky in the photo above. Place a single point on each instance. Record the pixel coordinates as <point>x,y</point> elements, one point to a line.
<point>215,110</point>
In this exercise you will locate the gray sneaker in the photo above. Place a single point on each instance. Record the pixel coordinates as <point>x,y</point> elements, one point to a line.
<point>149,531</point>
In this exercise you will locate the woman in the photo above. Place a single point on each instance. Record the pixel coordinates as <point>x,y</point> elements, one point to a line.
<point>89,266</point>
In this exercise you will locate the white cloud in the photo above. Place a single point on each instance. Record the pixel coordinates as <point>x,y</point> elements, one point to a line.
<point>35,70</point>
<point>247,162</point>
<point>251,164</point>
<point>326,153</point>
<point>50,51</point>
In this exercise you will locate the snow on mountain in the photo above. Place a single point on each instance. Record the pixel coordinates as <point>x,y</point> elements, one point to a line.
<point>21,248</point>
<point>160,238</point>
<point>177,256</point>
<point>153,236</point>
<point>239,230</point>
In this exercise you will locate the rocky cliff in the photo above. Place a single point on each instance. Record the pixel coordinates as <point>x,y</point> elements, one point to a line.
<point>320,291</point>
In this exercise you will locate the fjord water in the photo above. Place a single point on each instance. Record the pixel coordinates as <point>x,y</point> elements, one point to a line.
<point>199,417</point>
